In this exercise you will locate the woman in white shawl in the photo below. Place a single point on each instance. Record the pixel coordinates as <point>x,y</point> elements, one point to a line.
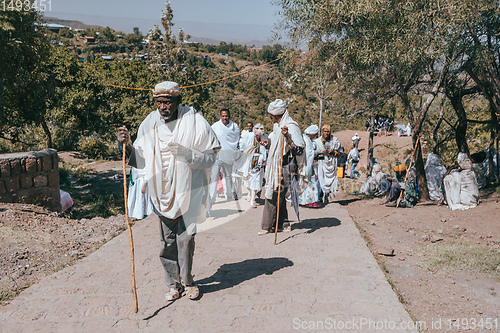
<point>329,149</point>
<point>253,170</point>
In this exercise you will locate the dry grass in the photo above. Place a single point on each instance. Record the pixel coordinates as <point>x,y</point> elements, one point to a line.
<point>479,258</point>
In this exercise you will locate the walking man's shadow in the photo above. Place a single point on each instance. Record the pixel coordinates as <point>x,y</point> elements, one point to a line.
<point>311,225</point>
<point>230,275</point>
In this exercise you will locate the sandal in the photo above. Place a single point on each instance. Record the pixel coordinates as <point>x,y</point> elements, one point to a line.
<point>263,232</point>
<point>173,294</point>
<point>192,292</point>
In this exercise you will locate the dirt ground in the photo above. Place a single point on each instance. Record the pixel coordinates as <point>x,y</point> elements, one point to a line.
<point>431,254</point>
<point>409,244</point>
<point>35,242</point>
<point>406,242</point>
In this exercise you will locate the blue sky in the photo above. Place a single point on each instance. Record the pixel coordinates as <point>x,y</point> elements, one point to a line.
<point>214,19</point>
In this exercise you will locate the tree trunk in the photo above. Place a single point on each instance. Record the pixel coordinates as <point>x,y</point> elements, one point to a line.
<point>48,135</point>
<point>435,143</point>
<point>493,138</point>
<point>320,112</point>
<point>423,191</point>
<point>461,128</point>
<point>369,164</point>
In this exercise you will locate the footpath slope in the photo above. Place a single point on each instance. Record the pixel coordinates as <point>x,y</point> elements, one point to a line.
<point>319,276</point>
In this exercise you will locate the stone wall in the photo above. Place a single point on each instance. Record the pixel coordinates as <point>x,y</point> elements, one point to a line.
<point>31,177</point>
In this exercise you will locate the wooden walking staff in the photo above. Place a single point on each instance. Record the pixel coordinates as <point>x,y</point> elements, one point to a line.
<point>408,171</point>
<point>279,189</point>
<point>134,290</point>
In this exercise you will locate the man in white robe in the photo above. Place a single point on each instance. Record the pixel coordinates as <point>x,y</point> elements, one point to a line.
<point>247,136</point>
<point>176,147</point>
<point>310,195</point>
<point>329,149</point>
<point>228,134</point>
<point>286,149</point>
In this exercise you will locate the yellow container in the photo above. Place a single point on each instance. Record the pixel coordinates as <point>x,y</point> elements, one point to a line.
<point>340,172</point>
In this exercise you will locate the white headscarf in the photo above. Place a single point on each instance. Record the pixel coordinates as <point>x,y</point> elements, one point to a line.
<point>311,130</point>
<point>276,108</point>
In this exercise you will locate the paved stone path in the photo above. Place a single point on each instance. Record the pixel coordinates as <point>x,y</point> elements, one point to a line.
<point>320,276</point>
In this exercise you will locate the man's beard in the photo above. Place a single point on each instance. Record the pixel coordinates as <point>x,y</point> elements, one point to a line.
<point>165,114</point>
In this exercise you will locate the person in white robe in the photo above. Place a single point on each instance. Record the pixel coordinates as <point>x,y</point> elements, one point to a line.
<point>460,184</point>
<point>176,147</point>
<point>253,169</point>
<point>247,136</point>
<point>310,196</point>
<point>434,172</point>
<point>228,134</point>
<point>329,149</point>
<point>355,140</point>
<point>286,149</point>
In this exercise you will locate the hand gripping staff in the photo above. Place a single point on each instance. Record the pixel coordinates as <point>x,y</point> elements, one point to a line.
<point>134,291</point>
<point>279,188</point>
<point>408,171</point>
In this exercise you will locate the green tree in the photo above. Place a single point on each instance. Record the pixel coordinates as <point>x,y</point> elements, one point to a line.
<point>169,62</point>
<point>23,88</point>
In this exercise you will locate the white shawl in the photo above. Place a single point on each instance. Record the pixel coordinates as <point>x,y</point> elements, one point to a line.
<point>327,168</point>
<point>228,136</point>
<point>274,157</point>
<point>310,152</point>
<point>171,195</point>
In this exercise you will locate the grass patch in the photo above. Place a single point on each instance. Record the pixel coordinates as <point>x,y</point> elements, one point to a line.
<point>94,195</point>
<point>478,258</point>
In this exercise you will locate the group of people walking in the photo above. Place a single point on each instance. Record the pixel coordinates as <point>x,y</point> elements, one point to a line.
<point>178,160</point>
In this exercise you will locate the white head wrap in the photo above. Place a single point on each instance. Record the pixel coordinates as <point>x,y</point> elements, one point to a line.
<point>166,89</point>
<point>311,130</point>
<point>377,168</point>
<point>276,108</point>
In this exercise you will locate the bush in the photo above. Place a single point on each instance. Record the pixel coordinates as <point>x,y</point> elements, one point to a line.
<point>93,147</point>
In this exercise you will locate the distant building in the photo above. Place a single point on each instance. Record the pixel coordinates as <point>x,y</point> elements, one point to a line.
<point>90,40</point>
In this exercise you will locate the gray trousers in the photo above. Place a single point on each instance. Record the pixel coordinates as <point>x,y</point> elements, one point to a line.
<point>271,210</point>
<point>177,250</point>
<point>227,171</point>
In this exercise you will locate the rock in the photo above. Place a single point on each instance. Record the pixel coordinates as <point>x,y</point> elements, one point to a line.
<point>386,252</point>
<point>425,238</point>
<point>435,239</point>
<point>443,220</point>
<point>456,226</point>
<point>439,231</point>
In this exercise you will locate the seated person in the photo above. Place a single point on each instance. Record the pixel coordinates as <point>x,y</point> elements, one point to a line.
<point>460,185</point>
<point>372,184</point>
<point>393,186</point>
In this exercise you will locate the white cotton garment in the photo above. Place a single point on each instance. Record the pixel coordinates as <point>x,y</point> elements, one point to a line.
<point>169,178</point>
<point>327,168</point>
<point>228,136</point>
<point>275,156</point>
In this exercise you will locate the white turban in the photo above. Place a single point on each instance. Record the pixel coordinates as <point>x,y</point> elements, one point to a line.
<point>276,108</point>
<point>166,89</point>
<point>311,130</point>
